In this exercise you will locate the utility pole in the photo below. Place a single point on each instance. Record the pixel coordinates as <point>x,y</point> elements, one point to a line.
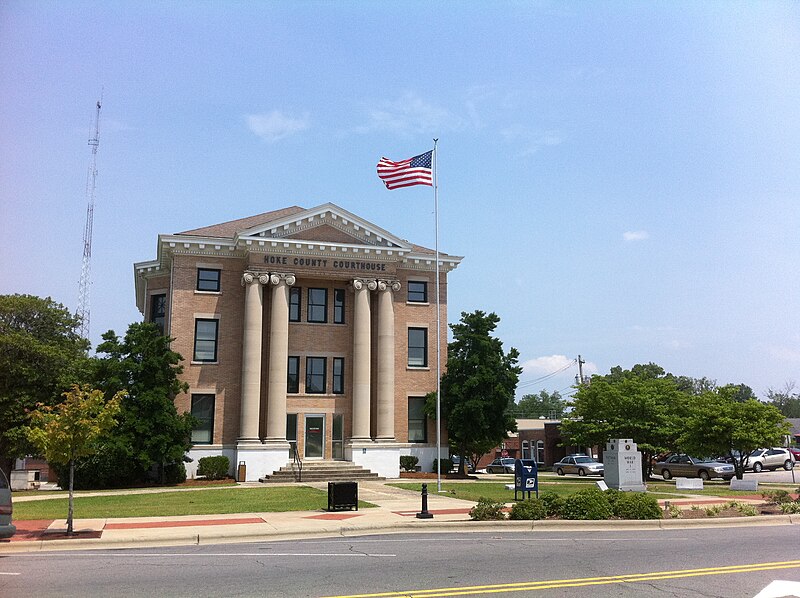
<point>580,369</point>
<point>85,285</point>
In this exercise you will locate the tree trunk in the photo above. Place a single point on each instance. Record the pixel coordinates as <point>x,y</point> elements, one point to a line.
<point>71,482</point>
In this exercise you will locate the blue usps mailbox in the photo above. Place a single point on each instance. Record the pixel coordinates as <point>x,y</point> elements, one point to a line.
<point>526,478</point>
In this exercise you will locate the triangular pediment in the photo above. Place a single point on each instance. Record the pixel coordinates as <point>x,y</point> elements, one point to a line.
<point>327,223</point>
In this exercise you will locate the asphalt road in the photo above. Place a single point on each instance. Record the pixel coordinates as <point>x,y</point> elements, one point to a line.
<point>723,562</point>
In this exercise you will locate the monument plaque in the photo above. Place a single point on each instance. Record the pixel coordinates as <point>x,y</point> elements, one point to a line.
<point>623,465</point>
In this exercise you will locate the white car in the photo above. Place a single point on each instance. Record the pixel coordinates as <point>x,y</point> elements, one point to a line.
<point>772,459</point>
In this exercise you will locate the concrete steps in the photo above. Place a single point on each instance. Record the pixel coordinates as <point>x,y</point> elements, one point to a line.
<point>321,471</point>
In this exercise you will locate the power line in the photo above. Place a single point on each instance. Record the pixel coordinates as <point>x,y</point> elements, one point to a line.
<point>547,376</point>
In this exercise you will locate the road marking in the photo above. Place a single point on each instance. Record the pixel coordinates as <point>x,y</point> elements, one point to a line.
<point>209,554</point>
<point>578,582</point>
<point>5,573</point>
<point>780,589</point>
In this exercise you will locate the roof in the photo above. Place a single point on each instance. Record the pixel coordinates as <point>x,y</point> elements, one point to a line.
<point>230,228</point>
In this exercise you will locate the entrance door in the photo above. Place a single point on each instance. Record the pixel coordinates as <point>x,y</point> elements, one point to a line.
<point>315,436</point>
<point>337,446</point>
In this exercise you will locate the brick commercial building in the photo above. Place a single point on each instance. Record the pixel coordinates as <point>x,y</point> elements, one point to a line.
<point>301,329</point>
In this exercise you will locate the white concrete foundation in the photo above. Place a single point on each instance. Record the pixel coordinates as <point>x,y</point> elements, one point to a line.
<point>261,459</point>
<point>426,456</point>
<point>378,457</point>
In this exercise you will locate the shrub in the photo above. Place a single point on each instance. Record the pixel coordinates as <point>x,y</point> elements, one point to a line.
<point>675,511</point>
<point>636,505</point>
<point>776,497</point>
<point>175,473</point>
<point>213,468</point>
<point>613,496</point>
<point>590,503</point>
<point>790,508</point>
<point>531,509</point>
<point>747,510</point>
<point>553,503</point>
<point>446,465</point>
<point>487,510</point>
<point>408,462</point>
<point>713,511</point>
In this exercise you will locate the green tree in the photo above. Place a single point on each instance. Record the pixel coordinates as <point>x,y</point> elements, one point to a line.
<point>787,400</point>
<point>546,404</point>
<point>70,430</point>
<point>722,424</point>
<point>478,388</point>
<point>642,403</point>
<point>40,356</point>
<point>151,432</point>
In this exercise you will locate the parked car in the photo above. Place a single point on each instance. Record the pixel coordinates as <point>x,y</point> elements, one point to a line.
<point>6,528</point>
<point>501,465</point>
<point>685,466</point>
<point>456,460</point>
<point>795,453</point>
<point>580,464</point>
<point>772,459</point>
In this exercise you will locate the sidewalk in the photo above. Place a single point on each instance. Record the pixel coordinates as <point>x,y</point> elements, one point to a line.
<point>395,513</point>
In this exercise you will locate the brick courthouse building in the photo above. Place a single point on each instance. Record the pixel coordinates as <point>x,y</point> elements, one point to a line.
<point>307,328</point>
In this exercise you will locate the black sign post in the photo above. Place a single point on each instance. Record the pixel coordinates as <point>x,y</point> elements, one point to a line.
<point>526,478</point>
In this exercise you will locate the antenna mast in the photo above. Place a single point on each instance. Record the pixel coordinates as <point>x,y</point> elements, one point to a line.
<point>84,290</point>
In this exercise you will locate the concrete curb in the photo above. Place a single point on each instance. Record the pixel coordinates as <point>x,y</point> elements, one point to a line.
<point>206,536</point>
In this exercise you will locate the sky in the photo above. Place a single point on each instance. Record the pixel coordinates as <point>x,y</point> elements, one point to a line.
<point>621,178</point>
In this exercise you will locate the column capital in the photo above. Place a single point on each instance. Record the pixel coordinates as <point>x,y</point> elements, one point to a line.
<point>360,283</point>
<point>254,277</point>
<point>278,278</point>
<point>388,285</point>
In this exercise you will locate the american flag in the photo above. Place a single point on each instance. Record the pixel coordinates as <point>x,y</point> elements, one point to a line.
<point>413,171</point>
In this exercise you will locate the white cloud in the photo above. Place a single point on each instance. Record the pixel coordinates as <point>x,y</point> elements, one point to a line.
<point>785,354</point>
<point>410,114</point>
<point>274,125</point>
<point>546,364</point>
<point>637,235</point>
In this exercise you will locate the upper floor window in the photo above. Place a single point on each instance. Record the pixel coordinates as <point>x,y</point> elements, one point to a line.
<point>203,410</point>
<point>158,310</point>
<point>207,279</point>
<point>205,339</point>
<point>294,304</point>
<point>293,380</point>
<point>417,291</point>
<point>315,374</point>
<point>317,305</point>
<point>338,375</point>
<point>418,347</point>
<point>338,306</point>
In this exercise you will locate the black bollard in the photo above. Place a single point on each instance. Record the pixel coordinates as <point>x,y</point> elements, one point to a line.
<point>424,514</point>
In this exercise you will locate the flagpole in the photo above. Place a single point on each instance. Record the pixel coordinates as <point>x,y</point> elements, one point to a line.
<point>438,331</point>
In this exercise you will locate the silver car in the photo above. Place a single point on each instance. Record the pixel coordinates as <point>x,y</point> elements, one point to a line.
<point>773,458</point>
<point>6,529</point>
<point>580,464</point>
<point>501,465</point>
<point>685,466</point>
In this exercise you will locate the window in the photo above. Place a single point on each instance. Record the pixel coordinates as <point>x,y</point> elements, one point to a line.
<point>338,306</point>
<point>158,311</point>
<point>291,433</point>
<point>205,339</point>
<point>417,421</point>
<point>315,374</point>
<point>207,280</point>
<point>317,305</point>
<point>294,304</point>
<point>203,410</point>
<point>293,381</point>
<point>338,375</point>
<point>540,451</point>
<point>417,291</point>
<point>418,347</point>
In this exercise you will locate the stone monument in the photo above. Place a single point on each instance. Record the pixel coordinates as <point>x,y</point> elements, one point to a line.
<point>623,465</point>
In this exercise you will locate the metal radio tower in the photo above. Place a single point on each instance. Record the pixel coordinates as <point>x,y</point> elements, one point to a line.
<point>86,269</point>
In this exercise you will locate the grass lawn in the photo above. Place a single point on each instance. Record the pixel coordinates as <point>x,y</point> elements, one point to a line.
<point>496,490</point>
<point>195,502</point>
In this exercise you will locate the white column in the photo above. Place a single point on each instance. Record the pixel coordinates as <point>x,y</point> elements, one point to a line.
<point>251,356</point>
<point>278,357</point>
<point>385,419</point>
<point>361,359</point>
